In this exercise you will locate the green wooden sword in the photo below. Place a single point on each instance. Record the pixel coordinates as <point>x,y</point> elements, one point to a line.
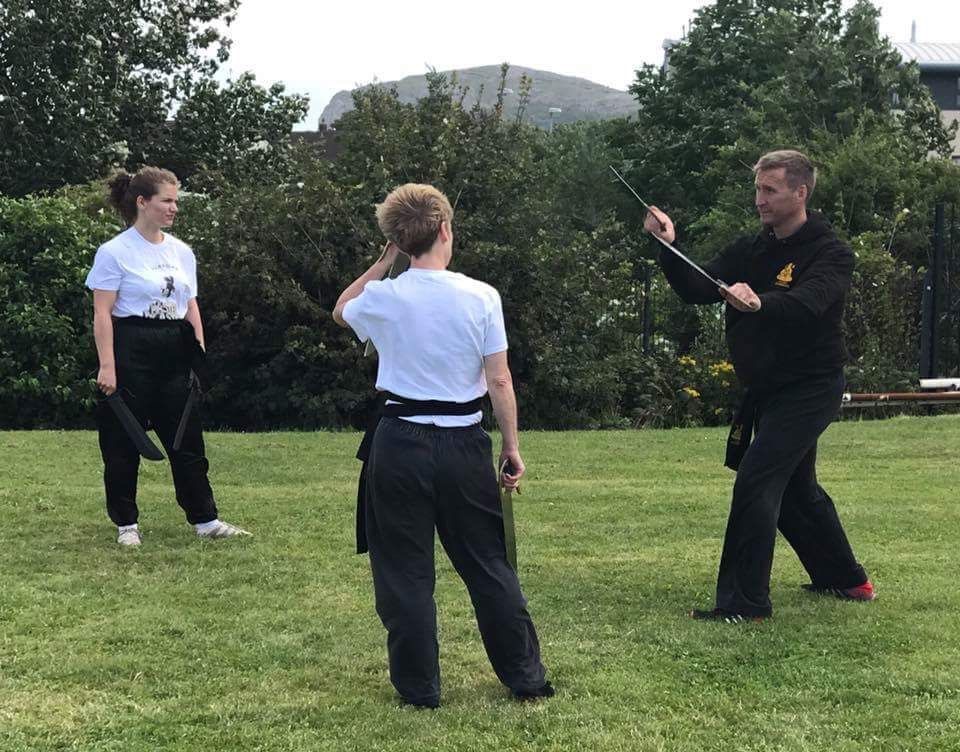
<point>506,505</point>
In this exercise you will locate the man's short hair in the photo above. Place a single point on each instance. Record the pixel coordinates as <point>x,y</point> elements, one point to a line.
<point>798,168</point>
<point>411,216</point>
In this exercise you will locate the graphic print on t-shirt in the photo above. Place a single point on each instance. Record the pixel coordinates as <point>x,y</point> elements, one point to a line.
<point>166,308</point>
<point>152,280</point>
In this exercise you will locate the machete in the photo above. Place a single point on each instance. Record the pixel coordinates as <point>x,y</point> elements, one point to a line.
<point>192,395</point>
<point>506,505</point>
<point>133,428</point>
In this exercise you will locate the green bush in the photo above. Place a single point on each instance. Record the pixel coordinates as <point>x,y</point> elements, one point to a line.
<point>537,216</point>
<point>882,318</point>
<point>47,358</point>
<point>273,260</point>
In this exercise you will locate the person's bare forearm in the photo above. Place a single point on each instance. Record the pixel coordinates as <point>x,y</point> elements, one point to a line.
<point>193,316</point>
<point>103,336</point>
<point>504,403</point>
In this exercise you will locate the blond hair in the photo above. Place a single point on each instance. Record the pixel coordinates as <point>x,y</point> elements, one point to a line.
<point>411,216</point>
<point>798,168</point>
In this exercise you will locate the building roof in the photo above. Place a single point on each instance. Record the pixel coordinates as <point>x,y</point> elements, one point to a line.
<point>931,55</point>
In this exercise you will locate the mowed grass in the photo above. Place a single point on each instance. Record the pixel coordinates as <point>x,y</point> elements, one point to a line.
<point>272,643</point>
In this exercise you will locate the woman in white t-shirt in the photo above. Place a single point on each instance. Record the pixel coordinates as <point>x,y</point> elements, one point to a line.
<point>149,336</point>
<point>428,463</point>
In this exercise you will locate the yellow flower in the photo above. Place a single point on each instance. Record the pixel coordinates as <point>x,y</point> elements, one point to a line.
<point>720,369</point>
<point>686,360</point>
<point>694,394</point>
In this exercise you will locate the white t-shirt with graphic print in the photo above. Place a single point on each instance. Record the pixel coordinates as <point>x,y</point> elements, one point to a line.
<point>153,280</point>
<point>432,330</point>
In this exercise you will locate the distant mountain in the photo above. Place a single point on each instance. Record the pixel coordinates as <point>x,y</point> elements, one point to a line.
<point>577,98</point>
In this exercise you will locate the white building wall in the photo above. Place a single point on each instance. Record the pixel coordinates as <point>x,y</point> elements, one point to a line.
<point>948,117</point>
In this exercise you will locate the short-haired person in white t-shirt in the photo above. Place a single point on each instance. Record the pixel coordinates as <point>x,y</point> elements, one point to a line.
<point>149,336</point>
<point>442,346</point>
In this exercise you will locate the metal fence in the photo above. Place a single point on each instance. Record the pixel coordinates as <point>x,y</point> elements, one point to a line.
<point>940,317</point>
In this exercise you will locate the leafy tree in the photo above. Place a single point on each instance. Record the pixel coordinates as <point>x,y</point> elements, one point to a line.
<point>89,84</point>
<point>757,75</point>
<point>753,75</point>
<point>239,131</point>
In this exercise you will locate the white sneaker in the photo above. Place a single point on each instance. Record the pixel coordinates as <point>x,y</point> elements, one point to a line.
<point>129,537</point>
<point>221,529</point>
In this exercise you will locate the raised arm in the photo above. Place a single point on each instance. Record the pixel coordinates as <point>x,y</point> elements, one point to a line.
<point>377,270</point>
<point>685,281</point>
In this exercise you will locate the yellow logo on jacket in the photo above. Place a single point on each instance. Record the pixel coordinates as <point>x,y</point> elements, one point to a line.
<point>785,277</point>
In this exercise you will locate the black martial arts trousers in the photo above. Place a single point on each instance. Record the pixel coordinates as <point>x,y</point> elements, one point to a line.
<point>776,488</point>
<point>153,360</point>
<point>423,477</point>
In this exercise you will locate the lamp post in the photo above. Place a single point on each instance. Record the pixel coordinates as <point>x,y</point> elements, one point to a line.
<point>553,111</point>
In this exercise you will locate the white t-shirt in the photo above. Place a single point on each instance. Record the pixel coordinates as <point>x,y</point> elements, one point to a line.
<point>432,330</point>
<point>153,280</point>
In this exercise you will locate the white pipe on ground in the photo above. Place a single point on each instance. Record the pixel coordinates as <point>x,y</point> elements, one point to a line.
<point>951,383</point>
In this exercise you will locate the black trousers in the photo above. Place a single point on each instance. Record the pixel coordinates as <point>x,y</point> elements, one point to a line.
<point>776,488</point>
<point>421,478</point>
<point>153,372</point>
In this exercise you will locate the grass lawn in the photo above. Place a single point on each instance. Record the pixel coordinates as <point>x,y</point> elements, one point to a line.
<point>272,643</point>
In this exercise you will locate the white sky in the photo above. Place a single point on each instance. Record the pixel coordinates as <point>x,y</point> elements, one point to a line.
<point>319,48</point>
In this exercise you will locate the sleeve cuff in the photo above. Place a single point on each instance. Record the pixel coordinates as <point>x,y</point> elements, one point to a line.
<point>771,305</point>
<point>362,334</point>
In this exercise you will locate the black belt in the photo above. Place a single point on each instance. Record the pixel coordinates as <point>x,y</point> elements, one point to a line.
<point>400,407</point>
<point>741,430</point>
<point>149,323</point>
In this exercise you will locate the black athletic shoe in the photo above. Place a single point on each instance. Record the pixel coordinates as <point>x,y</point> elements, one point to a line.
<point>542,693</point>
<point>864,592</point>
<point>727,617</point>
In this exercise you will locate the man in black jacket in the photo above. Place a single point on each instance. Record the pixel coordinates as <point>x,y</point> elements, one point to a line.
<point>785,298</point>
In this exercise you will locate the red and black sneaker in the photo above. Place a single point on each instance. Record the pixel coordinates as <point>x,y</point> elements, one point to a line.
<point>864,592</point>
<point>726,617</point>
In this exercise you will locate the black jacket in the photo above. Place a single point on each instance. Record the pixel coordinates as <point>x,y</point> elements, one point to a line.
<point>802,282</point>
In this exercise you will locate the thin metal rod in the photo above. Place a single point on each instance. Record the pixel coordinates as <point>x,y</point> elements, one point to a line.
<point>630,188</point>
<point>696,267</point>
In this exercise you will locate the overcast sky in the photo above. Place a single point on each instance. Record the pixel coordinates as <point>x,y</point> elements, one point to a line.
<point>319,48</point>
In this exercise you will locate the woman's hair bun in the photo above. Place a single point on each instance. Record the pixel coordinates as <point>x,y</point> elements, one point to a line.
<point>117,185</point>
